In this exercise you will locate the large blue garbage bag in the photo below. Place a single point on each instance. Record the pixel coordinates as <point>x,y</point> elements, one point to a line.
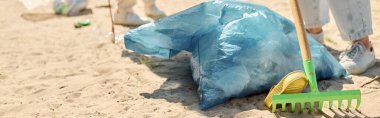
<point>238,49</point>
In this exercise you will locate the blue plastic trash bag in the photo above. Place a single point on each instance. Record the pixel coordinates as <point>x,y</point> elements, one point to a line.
<point>238,49</point>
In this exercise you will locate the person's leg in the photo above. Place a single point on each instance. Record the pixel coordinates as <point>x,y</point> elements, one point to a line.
<point>152,10</point>
<point>353,18</point>
<point>125,6</point>
<point>315,14</point>
<point>125,14</point>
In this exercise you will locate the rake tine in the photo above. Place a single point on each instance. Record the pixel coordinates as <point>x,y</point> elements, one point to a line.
<point>339,104</point>
<point>293,106</point>
<point>311,106</point>
<point>283,107</point>
<point>274,106</point>
<point>349,103</point>
<point>320,105</point>
<point>357,104</point>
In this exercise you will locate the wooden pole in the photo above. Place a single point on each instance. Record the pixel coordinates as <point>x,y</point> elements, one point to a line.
<point>301,34</point>
<point>112,24</point>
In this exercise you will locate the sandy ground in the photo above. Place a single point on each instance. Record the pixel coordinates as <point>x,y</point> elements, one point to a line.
<point>50,69</point>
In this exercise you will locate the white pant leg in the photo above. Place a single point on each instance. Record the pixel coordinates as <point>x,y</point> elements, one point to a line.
<point>152,10</point>
<point>125,6</point>
<point>315,13</point>
<point>353,18</point>
<point>149,2</point>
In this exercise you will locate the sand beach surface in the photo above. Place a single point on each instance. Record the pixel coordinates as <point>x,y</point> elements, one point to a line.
<point>50,69</point>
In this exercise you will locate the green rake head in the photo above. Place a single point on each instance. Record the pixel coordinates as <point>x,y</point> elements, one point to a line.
<point>319,97</point>
<point>314,95</point>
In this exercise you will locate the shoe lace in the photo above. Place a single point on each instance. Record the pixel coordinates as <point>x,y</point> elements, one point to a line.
<point>353,52</point>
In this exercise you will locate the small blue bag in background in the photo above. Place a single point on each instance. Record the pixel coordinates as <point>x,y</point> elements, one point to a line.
<point>238,49</point>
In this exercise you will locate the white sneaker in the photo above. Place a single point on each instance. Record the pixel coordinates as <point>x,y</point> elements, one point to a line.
<point>129,19</point>
<point>153,11</point>
<point>319,37</point>
<point>357,59</point>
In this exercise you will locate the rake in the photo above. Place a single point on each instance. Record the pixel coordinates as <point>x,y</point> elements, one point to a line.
<point>112,23</point>
<point>314,96</point>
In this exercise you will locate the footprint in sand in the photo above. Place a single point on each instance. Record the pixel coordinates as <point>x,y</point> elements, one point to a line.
<point>71,97</point>
<point>31,89</point>
<point>2,76</point>
<point>25,89</point>
<point>38,91</point>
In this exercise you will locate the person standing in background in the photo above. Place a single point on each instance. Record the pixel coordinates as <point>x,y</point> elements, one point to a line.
<point>353,18</point>
<point>126,16</point>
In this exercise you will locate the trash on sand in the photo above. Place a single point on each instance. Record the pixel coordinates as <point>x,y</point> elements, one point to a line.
<point>238,49</point>
<point>69,7</point>
<point>33,4</point>
<point>61,7</point>
<point>82,23</point>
